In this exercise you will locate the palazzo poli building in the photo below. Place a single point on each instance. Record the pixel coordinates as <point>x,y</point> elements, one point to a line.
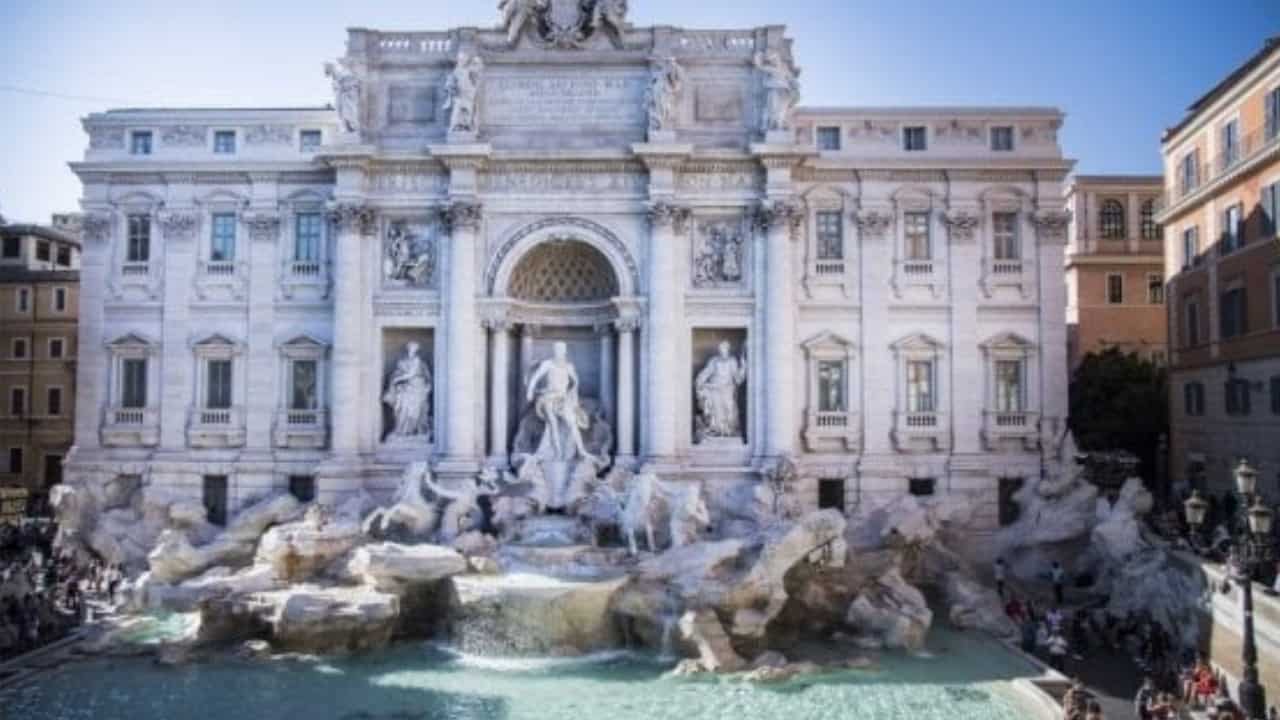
<point>312,298</point>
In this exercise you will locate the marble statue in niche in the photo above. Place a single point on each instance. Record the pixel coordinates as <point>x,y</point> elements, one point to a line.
<point>410,258</point>
<point>408,395</point>
<point>781,89</point>
<point>461,90</point>
<point>716,387</point>
<point>557,405</point>
<point>831,386</point>
<point>718,259</point>
<point>346,96</point>
<point>666,83</point>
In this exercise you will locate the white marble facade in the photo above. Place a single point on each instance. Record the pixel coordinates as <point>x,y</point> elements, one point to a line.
<point>643,195</point>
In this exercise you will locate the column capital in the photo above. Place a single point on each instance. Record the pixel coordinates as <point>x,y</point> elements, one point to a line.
<point>1052,224</point>
<point>263,226</point>
<point>353,216</point>
<point>666,214</point>
<point>786,215</point>
<point>461,215</point>
<point>961,224</point>
<point>97,227</point>
<point>177,225</point>
<point>627,324</point>
<point>873,223</point>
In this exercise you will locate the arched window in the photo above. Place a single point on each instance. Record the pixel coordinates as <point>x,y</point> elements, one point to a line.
<point>1111,220</point>
<point>1150,230</point>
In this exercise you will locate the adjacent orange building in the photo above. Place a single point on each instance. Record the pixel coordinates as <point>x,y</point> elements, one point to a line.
<point>1115,267</point>
<point>1220,215</point>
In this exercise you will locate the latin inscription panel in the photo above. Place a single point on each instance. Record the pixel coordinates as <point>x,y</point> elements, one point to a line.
<point>560,99</point>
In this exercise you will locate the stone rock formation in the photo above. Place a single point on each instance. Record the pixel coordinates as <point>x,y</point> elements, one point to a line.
<point>892,611</point>
<point>524,614</point>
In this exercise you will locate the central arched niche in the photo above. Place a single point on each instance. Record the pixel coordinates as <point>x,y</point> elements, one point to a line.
<point>563,271</point>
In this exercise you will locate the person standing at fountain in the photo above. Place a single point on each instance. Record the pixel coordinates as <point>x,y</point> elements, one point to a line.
<point>408,393</point>
<point>1058,576</point>
<point>999,571</point>
<point>557,404</point>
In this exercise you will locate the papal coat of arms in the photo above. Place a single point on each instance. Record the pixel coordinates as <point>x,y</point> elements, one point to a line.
<point>563,24</point>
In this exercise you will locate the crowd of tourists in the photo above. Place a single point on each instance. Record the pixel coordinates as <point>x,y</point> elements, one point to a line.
<point>43,595</point>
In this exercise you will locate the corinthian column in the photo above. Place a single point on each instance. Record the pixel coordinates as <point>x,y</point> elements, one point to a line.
<point>499,381</point>
<point>780,221</point>
<point>352,222</point>
<point>666,321</point>
<point>625,423</point>
<point>462,222</point>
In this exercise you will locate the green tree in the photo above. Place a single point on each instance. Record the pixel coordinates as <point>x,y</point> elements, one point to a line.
<point>1120,402</point>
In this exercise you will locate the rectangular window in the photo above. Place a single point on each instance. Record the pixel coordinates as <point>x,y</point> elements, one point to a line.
<point>1155,289</point>
<point>1190,246</point>
<point>1270,204</point>
<point>302,487</point>
<point>42,251</point>
<point>1189,172</point>
<point>831,383</point>
<point>920,386</point>
<point>1192,314</point>
<point>17,401</point>
<point>302,392</point>
<point>140,142</point>
<point>57,346</point>
<point>922,487</point>
<point>1004,231</point>
<point>215,498</point>
<point>224,142</point>
<point>1236,397</point>
<point>64,256</point>
<point>1272,103</point>
<point>1002,138</point>
<point>914,138</point>
<point>19,349</point>
<point>222,245</point>
<point>1275,395</point>
<point>12,247</point>
<point>1009,509</point>
<point>59,299</point>
<point>1193,398</point>
<point>1115,289</point>
<point>138,248</point>
<point>916,236</point>
<point>309,140</point>
<point>1009,386</point>
<point>1233,313</point>
<point>15,461</point>
<point>830,235</point>
<point>308,232</point>
<point>133,383</point>
<point>828,138</point>
<point>24,299</point>
<point>831,493</point>
<point>1230,143</point>
<point>218,385</point>
<point>1275,298</point>
<point>1232,231</point>
<point>53,401</point>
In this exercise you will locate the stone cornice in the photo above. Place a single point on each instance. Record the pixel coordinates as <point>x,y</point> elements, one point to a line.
<point>462,156</point>
<point>662,156</point>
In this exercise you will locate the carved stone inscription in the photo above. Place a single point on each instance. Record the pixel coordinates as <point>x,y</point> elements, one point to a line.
<point>565,99</point>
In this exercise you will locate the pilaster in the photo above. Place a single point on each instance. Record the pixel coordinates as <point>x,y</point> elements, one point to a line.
<point>179,228</point>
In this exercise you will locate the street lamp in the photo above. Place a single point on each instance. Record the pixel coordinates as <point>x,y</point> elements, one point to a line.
<point>1250,551</point>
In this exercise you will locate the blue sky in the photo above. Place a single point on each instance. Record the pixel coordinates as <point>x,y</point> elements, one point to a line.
<point>1121,69</point>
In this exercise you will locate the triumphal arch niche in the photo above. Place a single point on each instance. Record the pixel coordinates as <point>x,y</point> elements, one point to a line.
<point>580,263</point>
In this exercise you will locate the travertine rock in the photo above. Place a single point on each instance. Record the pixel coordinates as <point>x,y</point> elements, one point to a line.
<point>523,614</point>
<point>892,611</point>
<point>974,606</point>
<point>390,567</point>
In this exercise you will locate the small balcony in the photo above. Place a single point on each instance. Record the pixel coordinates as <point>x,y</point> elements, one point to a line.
<point>1003,428</point>
<point>135,270</point>
<point>131,427</point>
<point>831,430</point>
<point>306,269</point>
<point>216,427</point>
<point>219,268</point>
<point>921,431</point>
<point>301,429</point>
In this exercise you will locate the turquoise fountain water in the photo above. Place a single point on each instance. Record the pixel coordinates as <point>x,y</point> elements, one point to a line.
<point>964,678</point>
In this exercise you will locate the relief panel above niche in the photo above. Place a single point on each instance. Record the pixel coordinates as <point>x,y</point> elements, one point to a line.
<point>719,104</point>
<point>411,104</point>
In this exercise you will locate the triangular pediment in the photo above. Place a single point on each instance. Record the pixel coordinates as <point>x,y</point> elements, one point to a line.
<point>215,340</point>
<point>917,341</point>
<point>132,340</point>
<point>304,340</point>
<point>825,340</point>
<point>1007,340</point>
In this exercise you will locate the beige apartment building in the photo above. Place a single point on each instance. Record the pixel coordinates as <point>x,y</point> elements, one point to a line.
<point>1222,263</point>
<point>1115,267</point>
<point>39,305</point>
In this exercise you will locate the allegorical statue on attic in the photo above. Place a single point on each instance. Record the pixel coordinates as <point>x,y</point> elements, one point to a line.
<point>346,95</point>
<point>563,24</point>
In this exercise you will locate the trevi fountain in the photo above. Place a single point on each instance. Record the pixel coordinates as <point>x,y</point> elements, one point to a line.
<point>680,491</point>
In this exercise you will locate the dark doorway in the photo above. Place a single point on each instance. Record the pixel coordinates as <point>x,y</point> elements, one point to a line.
<point>1009,509</point>
<point>831,494</point>
<point>302,487</point>
<point>215,498</point>
<point>52,470</point>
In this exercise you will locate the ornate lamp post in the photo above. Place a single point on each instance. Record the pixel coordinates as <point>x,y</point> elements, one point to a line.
<point>1250,551</point>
